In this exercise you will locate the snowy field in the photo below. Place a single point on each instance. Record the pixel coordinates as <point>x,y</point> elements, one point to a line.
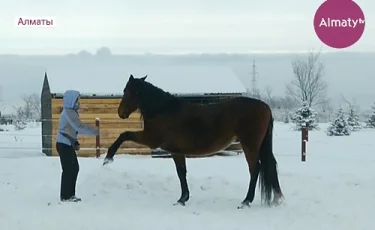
<point>333,189</point>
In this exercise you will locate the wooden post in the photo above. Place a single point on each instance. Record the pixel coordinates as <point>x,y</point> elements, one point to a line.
<point>305,138</point>
<point>97,143</point>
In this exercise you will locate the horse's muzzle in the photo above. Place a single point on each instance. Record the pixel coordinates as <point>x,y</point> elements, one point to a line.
<point>124,116</point>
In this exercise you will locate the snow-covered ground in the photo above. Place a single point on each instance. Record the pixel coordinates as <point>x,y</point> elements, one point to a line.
<point>333,189</point>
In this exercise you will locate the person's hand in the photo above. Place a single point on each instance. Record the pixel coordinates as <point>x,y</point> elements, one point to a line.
<point>77,145</point>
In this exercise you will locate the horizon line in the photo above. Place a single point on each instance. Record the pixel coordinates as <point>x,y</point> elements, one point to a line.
<point>187,53</point>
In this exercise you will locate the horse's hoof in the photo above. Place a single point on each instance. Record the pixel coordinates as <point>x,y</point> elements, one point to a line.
<point>182,203</point>
<point>107,161</point>
<point>244,205</point>
<point>277,202</point>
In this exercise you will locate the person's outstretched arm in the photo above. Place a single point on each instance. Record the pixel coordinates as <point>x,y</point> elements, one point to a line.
<point>75,122</point>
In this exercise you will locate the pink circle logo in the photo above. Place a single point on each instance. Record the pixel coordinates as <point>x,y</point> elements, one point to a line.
<point>339,23</point>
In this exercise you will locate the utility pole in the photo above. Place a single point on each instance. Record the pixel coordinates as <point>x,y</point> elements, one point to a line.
<point>254,92</point>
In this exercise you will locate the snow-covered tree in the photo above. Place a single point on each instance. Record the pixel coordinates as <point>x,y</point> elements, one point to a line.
<point>22,114</point>
<point>353,119</point>
<point>370,123</point>
<point>286,117</point>
<point>19,125</point>
<point>339,126</point>
<point>305,117</point>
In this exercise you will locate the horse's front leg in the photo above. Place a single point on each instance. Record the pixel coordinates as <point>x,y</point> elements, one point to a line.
<point>180,162</point>
<point>138,137</point>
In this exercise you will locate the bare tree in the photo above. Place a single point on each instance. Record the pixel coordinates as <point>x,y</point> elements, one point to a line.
<point>269,98</point>
<point>254,93</point>
<point>1,99</point>
<point>287,103</point>
<point>268,90</point>
<point>308,84</point>
<point>32,105</point>
<point>351,103</point>
<point>31,109</point>
<point>22,113</point>
<point>268,94</point>
<point>326,105</point>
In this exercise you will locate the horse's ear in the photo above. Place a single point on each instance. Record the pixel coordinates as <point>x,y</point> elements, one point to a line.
<point>144,78</point>
<point>131,77</point>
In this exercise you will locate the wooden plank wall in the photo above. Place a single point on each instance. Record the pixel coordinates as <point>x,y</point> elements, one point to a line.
<point>110,126</point>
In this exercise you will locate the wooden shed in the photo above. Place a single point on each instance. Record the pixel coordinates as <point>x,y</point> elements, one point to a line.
<point>100,108</point>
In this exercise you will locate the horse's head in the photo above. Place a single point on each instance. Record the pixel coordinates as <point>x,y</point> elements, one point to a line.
<point>130,99</point>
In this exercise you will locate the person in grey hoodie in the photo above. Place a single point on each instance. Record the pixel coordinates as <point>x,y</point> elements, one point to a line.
<point>67,144</point>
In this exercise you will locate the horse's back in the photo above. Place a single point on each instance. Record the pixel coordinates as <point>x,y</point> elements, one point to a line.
<point>224,116</point>
<point>198,129</point>
<point>242,105</point>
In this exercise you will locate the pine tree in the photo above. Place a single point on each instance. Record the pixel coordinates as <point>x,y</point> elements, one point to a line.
<point>370,123</point>
<point>353,119</point>
<point>339,126</point>
<point>305,117</point>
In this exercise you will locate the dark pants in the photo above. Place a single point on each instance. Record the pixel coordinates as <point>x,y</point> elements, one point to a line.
<point>70,169</point>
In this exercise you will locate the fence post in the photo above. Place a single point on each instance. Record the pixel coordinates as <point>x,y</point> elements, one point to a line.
<point>97,143</point>
<point>305,139</point>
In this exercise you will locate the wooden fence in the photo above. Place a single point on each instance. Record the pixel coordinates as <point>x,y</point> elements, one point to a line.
<point>102,113</point>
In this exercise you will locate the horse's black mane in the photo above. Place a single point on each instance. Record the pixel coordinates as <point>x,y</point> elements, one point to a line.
<point>154,101</point>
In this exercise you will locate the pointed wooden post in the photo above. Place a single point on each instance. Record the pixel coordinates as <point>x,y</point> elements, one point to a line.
<point>46,117</point>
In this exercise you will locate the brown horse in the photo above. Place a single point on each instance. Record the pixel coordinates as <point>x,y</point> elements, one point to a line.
<point>185,129</point>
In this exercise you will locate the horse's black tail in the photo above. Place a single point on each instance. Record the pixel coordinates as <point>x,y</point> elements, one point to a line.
<point>268,167</point>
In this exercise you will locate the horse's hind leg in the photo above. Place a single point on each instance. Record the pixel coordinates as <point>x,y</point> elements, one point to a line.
<point>180,162</point>
<point>252,158</point>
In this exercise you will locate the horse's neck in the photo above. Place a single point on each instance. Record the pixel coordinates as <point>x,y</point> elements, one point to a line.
<point>168,105</point>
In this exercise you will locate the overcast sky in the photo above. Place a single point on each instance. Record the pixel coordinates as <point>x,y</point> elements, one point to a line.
<point>168,26</point>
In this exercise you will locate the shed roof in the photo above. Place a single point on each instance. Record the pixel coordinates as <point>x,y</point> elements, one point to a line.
<point>187,79</point>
